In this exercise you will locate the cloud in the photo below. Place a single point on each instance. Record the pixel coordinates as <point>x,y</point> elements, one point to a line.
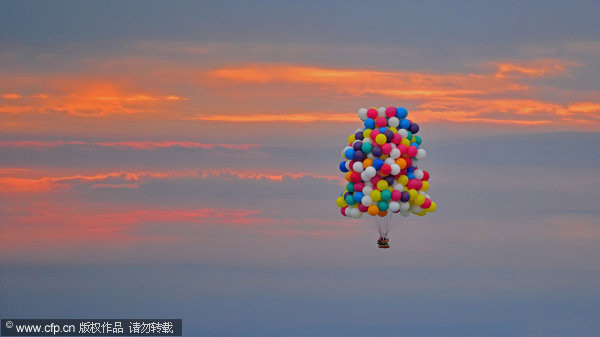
<point>11,96</point>
<point>138,145</point>
<point>533,69</point>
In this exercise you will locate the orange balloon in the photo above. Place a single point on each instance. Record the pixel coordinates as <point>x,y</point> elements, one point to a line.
<point>382,214</point>
<point>401,162</point>
<point>373,210</point>
<point>367,162</point>
<point>348,174</point>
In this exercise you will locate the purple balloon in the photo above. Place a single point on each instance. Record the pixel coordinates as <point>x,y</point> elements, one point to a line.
<point>390,180</point>
<point>357,145</point>
<point>414,128</point>
<point>359,156</point>
<point>405,196</point>
<point>346,194</point>
<point>359,135</point>
<point>376,151</point>
<point>389,135</point>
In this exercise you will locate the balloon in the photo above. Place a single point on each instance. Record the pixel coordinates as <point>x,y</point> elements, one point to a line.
<point>367,190</point>
<point>394,122</point>
<point>403,179</point>
<point>372,113</point>
<point>382,185</point>
<point>404,206</point>
<point>386,148</point>
<point>358,167</point>
<point>401,112</point>
<point>362,208</point>
<point>404,124</point>
<point>397,138</point>
<point>414,128</point>
<point>357,145</point>
<point>405,196</point>
<point>394,206</point>
<point>389,134</point>
<point>362,114</point>
<point>343,210</point>
<point>419,200</point>
<point>418,140</point>
<point>358,196</point>
<point>350,187</point>
<point>380,139</point>
<point>382,205</point>
<point>433,207</point>
<point>349,153</point>
<point>418,174</point>
<point>355,213</point>
<point>395,169</point>
<point>424,186</point>
<point>377,163</point>
<point>412,151</point>
<point>421,153</point>
<point>389,179</point>
<point>416,209</point>
<point>396,195</point>
<point>373,210</point>
<point>385,169</point>
<point>390,111</point>
<point>413,194</point>
<point>381,112</point>
<point>343,167</point>
<point>366,200</point>
<point>376,151</point>
<point>386,195</point>
<point>371,170</point>
<point>341,202</point>
<point>394,153</point>
<point>359,135</point>
<point>366,148</point>
<point>376,195</point>
<point>348,175</point>
<point>426,204</point>
<point>359,155</point>
<point>355,177</point>
<point>367,134</point>
<point>381,121</point>
<point>425,175</point>
<point>351,139</point>
<point>403,133</point>
<point>349,200</point>
<point>369,123</point>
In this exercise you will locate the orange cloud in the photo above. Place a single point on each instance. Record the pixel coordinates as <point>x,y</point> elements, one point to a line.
<point>138,145</point>
<point>537,68</point>
<point>11,96</point>
<point>20,184</point>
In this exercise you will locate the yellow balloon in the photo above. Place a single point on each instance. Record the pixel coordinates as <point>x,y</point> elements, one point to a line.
<point>394,130</point>
<point>425,186</point>
<point>383,157</point>
<point>420,200</point>
<point>413,139</point>
<point>405,142</point>
<point>351,139</point>
<point>405,189</point>
<point>375,195</point>
<point>367,133</point>
<point>422,213</point>
<point>413,194</point>
<point>382,185</point>
<point>432,208</point>
<point>341,202</point>
<point>403,179</point>
<point>380,139</point>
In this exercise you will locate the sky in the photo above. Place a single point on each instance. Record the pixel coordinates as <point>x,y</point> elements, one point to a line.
<point>180,160</point>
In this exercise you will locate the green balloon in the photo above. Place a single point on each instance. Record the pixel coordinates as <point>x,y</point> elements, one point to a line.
<point>418,140</point>
<point>350,187</point>
<point>383,205</point>
<point>386,195</point>
<point>350,200</point>
<point>366,148</point>
<point>409,136</point>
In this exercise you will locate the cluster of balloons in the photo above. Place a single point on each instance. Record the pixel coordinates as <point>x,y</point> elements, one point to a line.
<point>380,163</point>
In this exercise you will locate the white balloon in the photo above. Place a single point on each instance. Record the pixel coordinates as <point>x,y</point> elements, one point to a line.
<point>403,133</point>
<point>362,114</point>
<point>370,156</point>
<point>404,206</point>
<point>366,200</point>
<point>416,209</point>
<point>418,174</point>
<point>371,171</point>
<point>381,112</point>
<point>358,167</point>
<point>347,164</point>
<point>405,213</point>
<point>415,161</point>
<point>397,186</point>
<point>355,213</point>
<point>395,169</point>
<point>367,189</point>
<point>364,176</point>
<point>421,154</point>
<point>427,196</point>
<point>395,153</point>
<point>394,122</point>
<point>368,140</point>
<point>389,161</point>
<point>394,206</point>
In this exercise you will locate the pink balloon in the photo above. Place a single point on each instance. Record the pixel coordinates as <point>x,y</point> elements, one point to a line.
<point>414,184</point>
<point>426,204</point>
<point>343,210</point>
<point>402,148</point>
<point>358,187</point>
<point>412,151</point>
<point>374,134</point>
<point>381,121</point>
<point>386,169</point>
<point>362,208</point>
<point>397,138</point>
<point>390,111</point>
<point>372,113</point>
<point>375,180</point>
<point>386,148</point>
<point>396,195</point>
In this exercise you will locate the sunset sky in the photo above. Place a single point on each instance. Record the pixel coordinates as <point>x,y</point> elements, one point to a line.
<point>179,160</point>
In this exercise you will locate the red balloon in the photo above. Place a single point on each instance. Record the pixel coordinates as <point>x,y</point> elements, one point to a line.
<point>374,134</point>
<point>402,148</point>
<point>396,195</point>
<point>425,175</point>
<point>390,112</point>
<point>381,121</point>
<point>343,210</point>
<point>372,113</point>
<point>412,151</point>
<point>386,148</point>
<point>397,138</point>
<point>408,162</point>
<point>355,177</point>
<point>362,208</point>
<point>386,169</point>
<point>426,204</point>
<point>375,180</point>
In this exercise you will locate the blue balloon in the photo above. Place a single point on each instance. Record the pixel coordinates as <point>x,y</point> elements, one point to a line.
<point>358,196</point>
<point>410,169</point>
<point>369,123</point>
<point>349,154</point>
<point>377,163</point>
<point>401,113</point>
<point>404,124</point>
<point>382,129</point>
<point>343,167</point>
<point>415,145</point>
<point>410,175</point>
